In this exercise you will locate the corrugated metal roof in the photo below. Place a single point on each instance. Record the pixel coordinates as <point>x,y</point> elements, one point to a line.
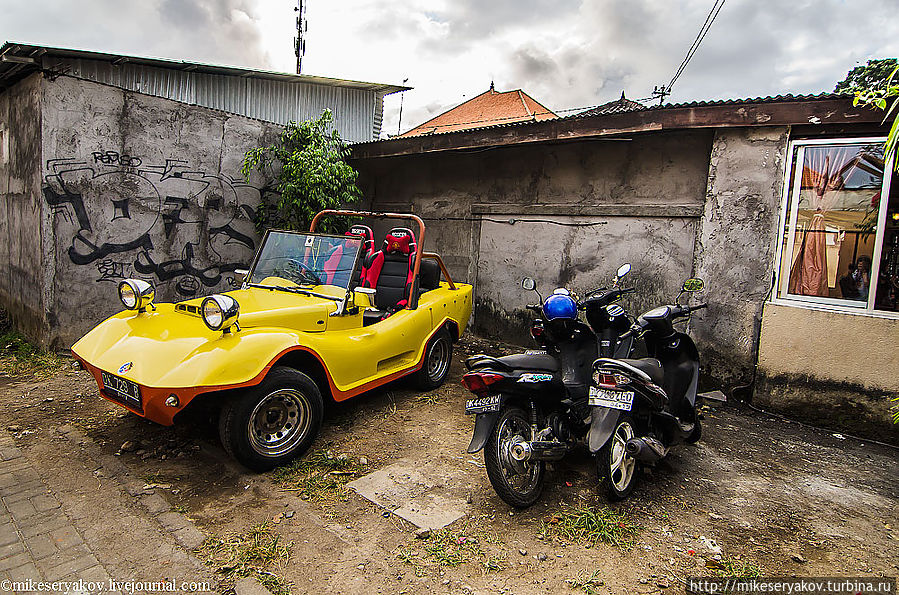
<point>271,96</point>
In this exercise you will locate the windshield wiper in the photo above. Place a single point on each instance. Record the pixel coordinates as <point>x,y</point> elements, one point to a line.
<point>298,290</point>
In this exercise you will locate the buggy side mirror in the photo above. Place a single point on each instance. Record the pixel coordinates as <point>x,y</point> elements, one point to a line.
<point>529,284</point>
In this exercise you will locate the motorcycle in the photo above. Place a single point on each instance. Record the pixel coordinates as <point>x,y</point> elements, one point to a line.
<point>533,407</point>
<point>640,408</point>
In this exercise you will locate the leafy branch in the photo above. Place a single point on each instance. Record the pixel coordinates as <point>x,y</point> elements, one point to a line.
<point>308,172</point>
<point>884,96</point>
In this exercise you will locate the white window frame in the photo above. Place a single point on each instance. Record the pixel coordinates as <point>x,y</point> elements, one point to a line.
<point>789,215</point>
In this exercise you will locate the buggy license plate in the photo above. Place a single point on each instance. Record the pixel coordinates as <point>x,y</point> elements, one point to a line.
<point>613,399</point>
<point>122,390</point>
<point>486,404</point>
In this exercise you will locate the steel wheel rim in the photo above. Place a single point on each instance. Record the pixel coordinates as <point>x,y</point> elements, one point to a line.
<point>438,361</point>
<point>279,422</point>
<point>621,464</point>
<point>519,476</point>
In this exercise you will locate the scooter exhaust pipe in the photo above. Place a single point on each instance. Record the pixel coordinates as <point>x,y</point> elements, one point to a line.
<point>645,449</point>
<point>538,450</point>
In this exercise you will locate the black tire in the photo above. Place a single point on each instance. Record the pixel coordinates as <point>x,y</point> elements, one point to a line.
<point>437,360</point>
<point>619,482</point>
<point>502,470</point>
<point>696,434</point>
<point>273,422</point>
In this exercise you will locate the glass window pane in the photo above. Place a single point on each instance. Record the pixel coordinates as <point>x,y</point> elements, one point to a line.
<point>887,296</point>
<point>833,242</point>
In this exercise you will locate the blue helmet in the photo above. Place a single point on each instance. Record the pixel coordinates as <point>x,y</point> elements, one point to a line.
<point>559,305</point>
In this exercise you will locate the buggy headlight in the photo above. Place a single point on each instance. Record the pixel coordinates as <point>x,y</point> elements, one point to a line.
<point>136,294</point>
<point>220,312</point>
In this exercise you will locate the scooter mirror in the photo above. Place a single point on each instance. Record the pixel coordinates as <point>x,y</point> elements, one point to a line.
<point>623,270</point>
<point>693,285</point>
<point>529,284</point>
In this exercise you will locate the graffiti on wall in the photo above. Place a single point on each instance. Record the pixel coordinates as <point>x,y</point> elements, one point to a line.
<point>169,223</point>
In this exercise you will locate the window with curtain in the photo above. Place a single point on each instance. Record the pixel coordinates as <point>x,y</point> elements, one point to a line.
<point>840,242</point>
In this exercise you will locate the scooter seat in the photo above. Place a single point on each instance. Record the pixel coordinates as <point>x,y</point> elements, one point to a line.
<point>651,366</point>
<point>531,361</point>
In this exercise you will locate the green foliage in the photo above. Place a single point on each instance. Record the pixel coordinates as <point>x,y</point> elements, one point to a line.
<point>884,96</point>
<point>309,173</point>
<point>874,74</point>
<point>258,553</point>
<point>586,524</point>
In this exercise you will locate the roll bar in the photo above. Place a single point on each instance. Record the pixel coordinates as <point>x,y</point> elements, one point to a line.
<point>419,254</point>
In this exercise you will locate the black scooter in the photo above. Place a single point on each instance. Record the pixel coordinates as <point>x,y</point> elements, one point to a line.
<point>642,407</point>
<point>533,407</point>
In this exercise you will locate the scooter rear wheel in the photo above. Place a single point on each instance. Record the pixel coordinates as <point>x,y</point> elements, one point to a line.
<point>518,483</point>
<point>617,469</point>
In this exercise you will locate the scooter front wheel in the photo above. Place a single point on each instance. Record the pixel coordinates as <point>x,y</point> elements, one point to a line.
<point>515,479</point>
<point>617,469</point>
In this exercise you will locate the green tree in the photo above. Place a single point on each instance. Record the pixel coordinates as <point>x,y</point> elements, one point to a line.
<point>884,96</point>
<point>308,172</point>
<point>869,76</point>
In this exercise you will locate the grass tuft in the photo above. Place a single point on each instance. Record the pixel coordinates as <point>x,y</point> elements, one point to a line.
<point>586,582</point>
<point>585,524</point>
<point>319,477</point>
<point>451,548</point>
<point>728,567</point>
<point>258,553</point>
<point>18,357</point>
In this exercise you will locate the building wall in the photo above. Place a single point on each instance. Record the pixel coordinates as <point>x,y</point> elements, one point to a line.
<point>735,247</point>
<point>846,366</point>
<point>566,214</point>
<point>139,186</point>
<point>21,206</point>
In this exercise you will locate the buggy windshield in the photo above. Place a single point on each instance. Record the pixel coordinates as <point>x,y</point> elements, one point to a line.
<point>306,259</point>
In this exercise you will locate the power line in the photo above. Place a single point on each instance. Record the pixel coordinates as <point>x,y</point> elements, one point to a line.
<point>662,92</point>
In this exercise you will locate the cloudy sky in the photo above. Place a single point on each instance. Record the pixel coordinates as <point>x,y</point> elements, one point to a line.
<point>565,53</point>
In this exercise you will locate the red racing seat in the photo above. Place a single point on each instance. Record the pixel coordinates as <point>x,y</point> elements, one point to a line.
<point>390,270</point>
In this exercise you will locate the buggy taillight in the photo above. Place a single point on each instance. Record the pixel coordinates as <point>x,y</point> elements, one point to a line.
<point>479,382</point>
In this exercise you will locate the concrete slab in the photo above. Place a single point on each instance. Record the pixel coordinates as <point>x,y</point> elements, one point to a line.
<point>429,495</point>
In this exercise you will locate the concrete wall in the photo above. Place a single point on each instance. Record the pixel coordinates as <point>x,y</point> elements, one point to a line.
<point>21,206</point>
<point>735,247</point>
<point>139,186</point>
<point>579,210</point>
<point>813,361</point>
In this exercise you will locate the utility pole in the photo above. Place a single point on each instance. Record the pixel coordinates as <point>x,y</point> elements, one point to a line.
<point>299,44</point>
<point>402,96</point>
<point>661,92</point>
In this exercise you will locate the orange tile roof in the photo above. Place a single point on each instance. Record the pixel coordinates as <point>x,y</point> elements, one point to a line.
<point>490,108</point>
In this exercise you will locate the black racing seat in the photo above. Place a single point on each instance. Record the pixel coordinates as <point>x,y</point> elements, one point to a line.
<point>518,361</point>
<point>651,366</point>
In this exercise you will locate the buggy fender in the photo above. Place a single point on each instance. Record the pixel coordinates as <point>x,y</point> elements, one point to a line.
<point>483,427</point>
<point>602,424</point>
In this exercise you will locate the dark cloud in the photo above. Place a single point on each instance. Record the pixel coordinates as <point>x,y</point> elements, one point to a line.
<point>217,31</point>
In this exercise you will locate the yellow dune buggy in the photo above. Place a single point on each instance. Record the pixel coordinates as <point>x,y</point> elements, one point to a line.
<point>317,316</point>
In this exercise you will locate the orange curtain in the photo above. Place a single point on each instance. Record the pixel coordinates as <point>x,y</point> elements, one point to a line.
<point>824,171</point>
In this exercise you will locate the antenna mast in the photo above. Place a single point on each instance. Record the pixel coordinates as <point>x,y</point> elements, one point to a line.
<point>299,44</point>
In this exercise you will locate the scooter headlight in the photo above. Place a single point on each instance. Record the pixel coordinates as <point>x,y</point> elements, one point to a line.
<point>220,312</point>
<point>136,294</point>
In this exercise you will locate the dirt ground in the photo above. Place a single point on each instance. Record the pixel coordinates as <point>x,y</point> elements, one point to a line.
<point>776,497</point>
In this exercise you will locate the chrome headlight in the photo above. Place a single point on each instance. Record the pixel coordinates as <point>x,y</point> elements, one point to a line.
<point>220,312</point>
<point>136,294</point>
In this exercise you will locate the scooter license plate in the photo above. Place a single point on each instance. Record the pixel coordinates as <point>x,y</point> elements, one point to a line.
<point>486,404</point>
<point>613,399</point>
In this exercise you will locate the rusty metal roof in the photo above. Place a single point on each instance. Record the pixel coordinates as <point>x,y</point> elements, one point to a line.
<point>779,110</point>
